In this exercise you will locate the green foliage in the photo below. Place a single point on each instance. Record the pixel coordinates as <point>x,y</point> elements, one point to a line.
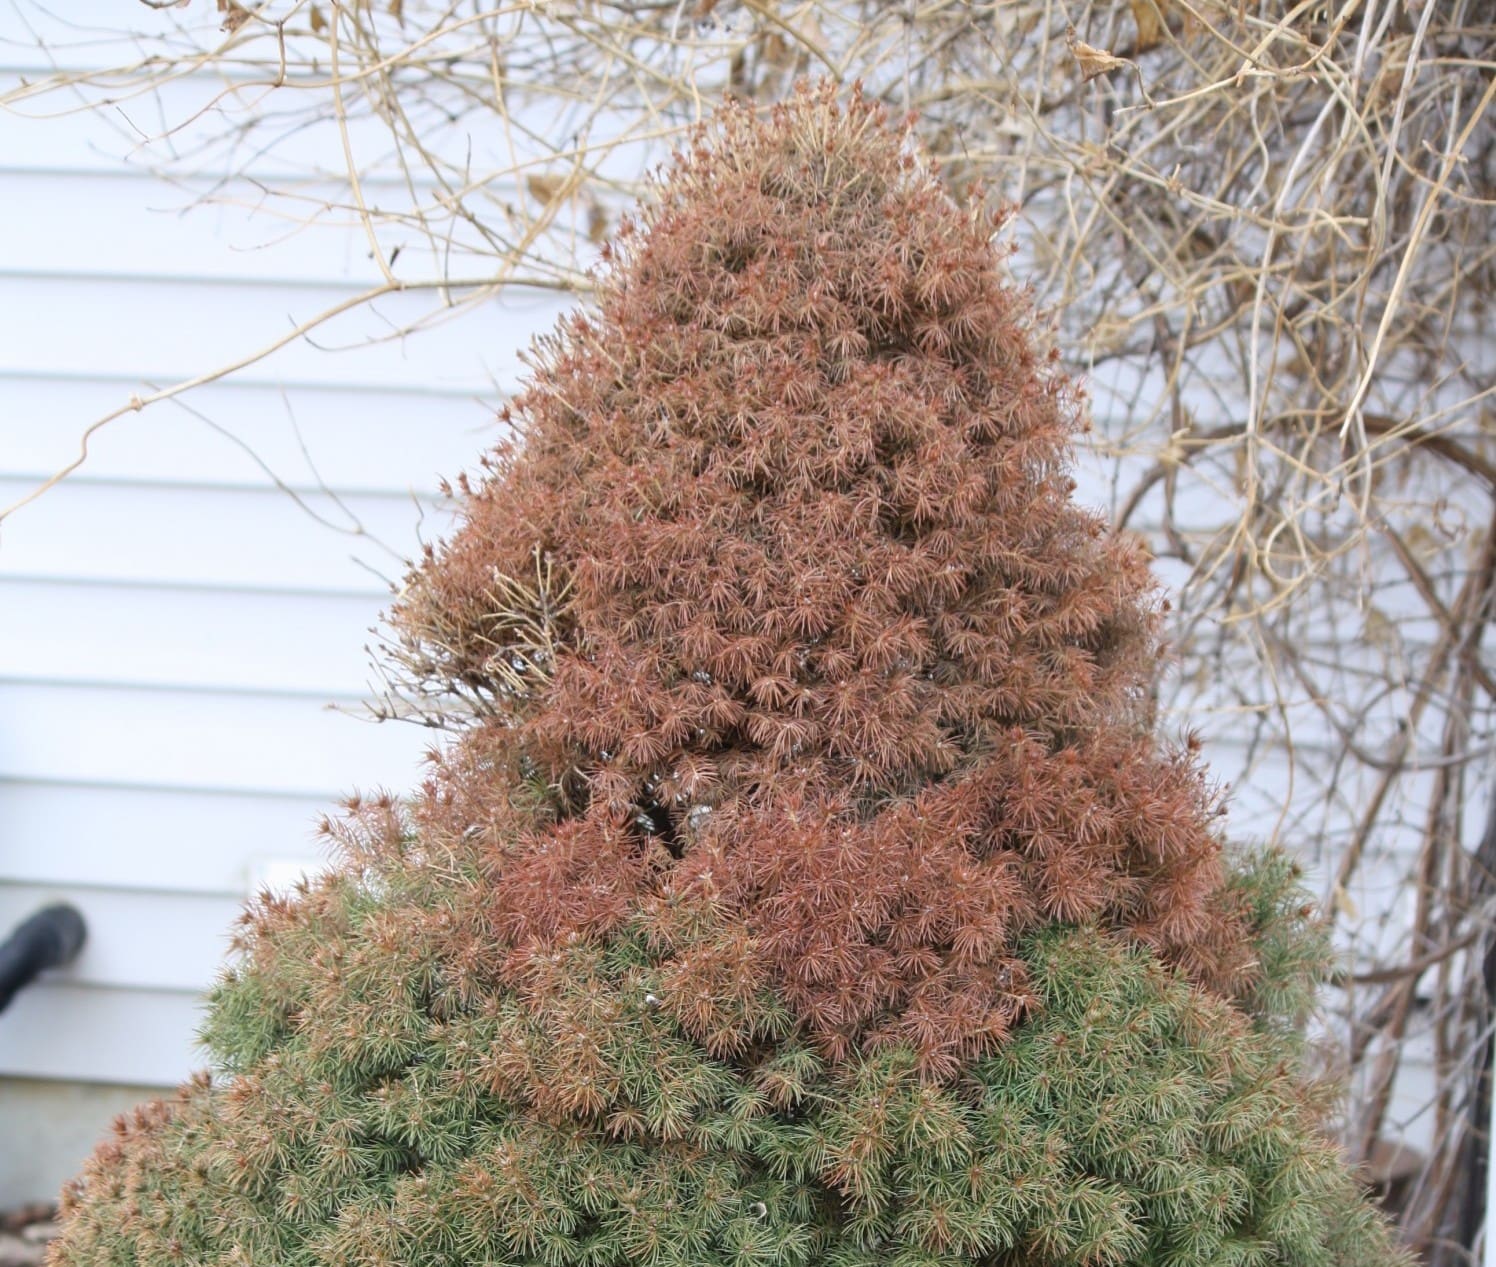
<point>1133,1119</point>
<point>1290,940</point>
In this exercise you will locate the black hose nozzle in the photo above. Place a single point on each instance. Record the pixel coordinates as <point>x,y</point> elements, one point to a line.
<point>50,938</point>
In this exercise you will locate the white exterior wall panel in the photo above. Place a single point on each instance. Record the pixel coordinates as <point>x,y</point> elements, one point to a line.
<point>183,623</point>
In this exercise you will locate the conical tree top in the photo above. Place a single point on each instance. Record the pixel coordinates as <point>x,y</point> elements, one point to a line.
<point>783,604</point>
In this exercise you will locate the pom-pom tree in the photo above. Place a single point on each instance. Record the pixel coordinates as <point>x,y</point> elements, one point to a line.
<point>807,885</point>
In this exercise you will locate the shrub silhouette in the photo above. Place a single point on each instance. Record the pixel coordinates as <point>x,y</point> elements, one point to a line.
<point>809,886</point>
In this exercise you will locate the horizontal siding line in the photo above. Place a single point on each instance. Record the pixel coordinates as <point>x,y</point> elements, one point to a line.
<point>125,38</point>
<point>106,987</point>
<point>1267,743</point>
<point>137,44</point>
<point>83,477</point>
<point>485,396</point>
<point>328,698</point>
<point>331,800</point>
<point>428,494</point>
<point>286,191</point>
<point>134,42</point>
<point>225,281</point>
<point>180,587</point>
<point>236,281</point>
<point>326,590</point>
<point>9,881</point>
<point>287,282</point>
<point>295,183</point>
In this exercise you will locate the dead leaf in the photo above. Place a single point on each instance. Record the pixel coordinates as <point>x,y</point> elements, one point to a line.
<point>1394,67</point>
<point>775,50</point>
<point>235,15</point>
<point>597,223</point>
<point>546,189</point>
<point>1093,62</point>
<point>1342,901</point>
<point>319,23</point>
<point>1150,15</point>
<point>1421,543</point>
<point>1173,453</point>
<point>1380,630</point>
<point>397,11</point>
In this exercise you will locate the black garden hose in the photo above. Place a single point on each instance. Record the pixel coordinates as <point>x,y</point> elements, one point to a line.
<point>48,939</point>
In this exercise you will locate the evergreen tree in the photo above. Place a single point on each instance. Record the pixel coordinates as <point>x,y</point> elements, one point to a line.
<point>808,885</point>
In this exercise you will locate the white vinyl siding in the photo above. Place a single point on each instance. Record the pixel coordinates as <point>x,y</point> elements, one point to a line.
<point>183,622</point>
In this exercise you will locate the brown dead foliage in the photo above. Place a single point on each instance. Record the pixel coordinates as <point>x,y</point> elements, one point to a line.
<point>843,667</point>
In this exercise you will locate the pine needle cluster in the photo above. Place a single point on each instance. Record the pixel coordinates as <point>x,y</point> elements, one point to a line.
<point>810,886</point>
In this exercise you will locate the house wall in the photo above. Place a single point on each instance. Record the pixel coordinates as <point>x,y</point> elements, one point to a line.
<point>183,621</point>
